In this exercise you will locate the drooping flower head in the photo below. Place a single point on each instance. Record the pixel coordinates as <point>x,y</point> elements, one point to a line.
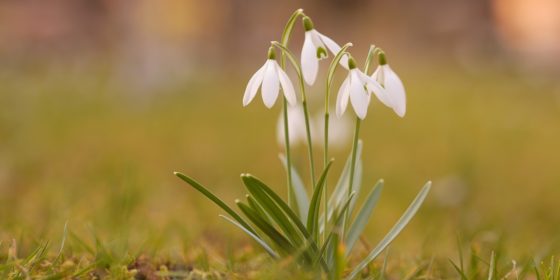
<point>385,76</point>
<point>357,87</point>
<point>315,48</point>
<point>270,77</point>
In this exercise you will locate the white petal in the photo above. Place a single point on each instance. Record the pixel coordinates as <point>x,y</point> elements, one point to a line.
<point>377,89</point>
<point>253,85</point>
<point>359,97</point>
<point>270,85</point>
<point>309,62</point>
<point>342,98</point>
<point>287,86</point>
<point>334,48</point>
<point>395,89</point>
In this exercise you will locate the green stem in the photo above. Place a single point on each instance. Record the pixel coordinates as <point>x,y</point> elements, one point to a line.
<point>297,66</point>
<point>330,75</point>
<point>285,39</point>
<point>353,165</point>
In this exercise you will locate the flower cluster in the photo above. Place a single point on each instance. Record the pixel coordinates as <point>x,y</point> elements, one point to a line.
<point>356,88</point>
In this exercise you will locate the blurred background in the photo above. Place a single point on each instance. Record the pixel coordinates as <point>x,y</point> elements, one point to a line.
<point>100,101</point>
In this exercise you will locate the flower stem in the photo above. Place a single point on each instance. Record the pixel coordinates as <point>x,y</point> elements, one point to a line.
<point>297,66</point>
<point>352,165</point>
<point>330,75</point>
<point>285,39</point>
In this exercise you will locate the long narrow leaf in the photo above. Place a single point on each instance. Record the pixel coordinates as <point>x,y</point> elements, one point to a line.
<point>339,193</point>
<point>258,186</point>
<point>299,190</point>
<point>266,228</point>
<point>261,242</point>
<point>397,228</point>
<point>364,214</point>
<point>271,208</point>
<point>337,223</point>
<point>214,199</point>
<point>255,206</point>
<point>313,215</point>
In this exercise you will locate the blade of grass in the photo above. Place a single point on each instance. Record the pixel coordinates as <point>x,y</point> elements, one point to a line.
<point>492,267</point>
<point>364,214</point>
<point>459,270</point>
<point>397,228</point>
<point>214,199</point>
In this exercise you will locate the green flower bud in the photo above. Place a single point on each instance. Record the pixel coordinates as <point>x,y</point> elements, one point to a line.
<point>307,23</point>
<point>271,53</point>
<point>351,63</point>
<point>382,58</point>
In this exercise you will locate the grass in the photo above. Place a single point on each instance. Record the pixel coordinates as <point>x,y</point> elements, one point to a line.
<point>78,149</point>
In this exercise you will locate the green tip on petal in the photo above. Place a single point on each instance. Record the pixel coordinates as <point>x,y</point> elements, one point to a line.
<point>271,53</point>
<point>307,23</point>
<point>322,53</point>
<point>382,58</point>
<point>351,63</point>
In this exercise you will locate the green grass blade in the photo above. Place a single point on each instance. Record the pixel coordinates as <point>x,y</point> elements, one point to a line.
<point>492,267</point>
<point>459,270</point>
<point>266,228</point>
<point>300,191</point>
<point>214,199</point>
<point>261,242</point>
<point>397,228</point>
<point>364,214</point>
<point>313,215</point>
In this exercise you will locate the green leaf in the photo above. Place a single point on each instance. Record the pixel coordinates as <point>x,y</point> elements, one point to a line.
<point>215,199</point>
<point>255,206</point>
<point>340,192</point>
<point>271,208</point>
<point>266,228</point>
<point>364,214</point>
<point>259,187</point>
<point>337,223</point>
<point>299,190</point>
<point>397,228</point>
<point>261,242</point>
<point>313,215</point>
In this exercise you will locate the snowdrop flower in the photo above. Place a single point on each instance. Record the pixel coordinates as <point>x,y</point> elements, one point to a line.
<point>296,126</point>
<point>358,87</point>
<point>385,76</point>
<point>314,49</point>
<point>271,76</point>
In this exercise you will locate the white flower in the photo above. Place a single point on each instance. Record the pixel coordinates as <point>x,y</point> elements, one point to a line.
<point>271,76</point>
<point>393,86</point>
<point>296,126</point>
<point>358,87</point>
<point>314,49</point>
